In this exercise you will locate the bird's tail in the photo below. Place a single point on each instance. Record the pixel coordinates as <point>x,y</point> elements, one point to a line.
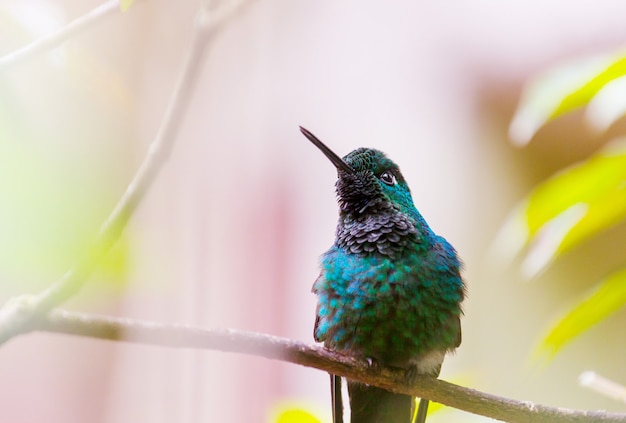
<point>369,404</point>
<point>335,393</point>
<point>421,411</point>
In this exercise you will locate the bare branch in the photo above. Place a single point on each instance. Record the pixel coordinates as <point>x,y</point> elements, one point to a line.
<point>17,314</point>
<point>272,347</point>
<point>29,313</point>
<point>603,385</point>
<point>53,40</point>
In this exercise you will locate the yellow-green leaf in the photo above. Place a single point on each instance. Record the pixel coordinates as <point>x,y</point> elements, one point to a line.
<point>296,415</point>
<point>561,90</point>
<point>569,208</point>
<point>607,106</point>
<point>582,95</point>
<point>608,297</point>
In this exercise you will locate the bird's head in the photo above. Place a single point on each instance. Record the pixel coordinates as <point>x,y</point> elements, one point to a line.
<point>368,181</point>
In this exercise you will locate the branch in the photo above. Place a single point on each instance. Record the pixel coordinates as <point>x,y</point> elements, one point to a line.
<point>18,313</point>
<point>603,385</point>
<point>272,347</point>
<point>55,39</point>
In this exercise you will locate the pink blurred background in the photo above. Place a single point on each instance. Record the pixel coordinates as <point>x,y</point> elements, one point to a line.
<point>230,233</point>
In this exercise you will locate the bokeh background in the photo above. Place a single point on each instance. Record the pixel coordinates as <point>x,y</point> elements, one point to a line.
<point>230,233</point>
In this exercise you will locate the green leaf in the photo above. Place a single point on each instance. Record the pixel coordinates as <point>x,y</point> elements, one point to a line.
<point>608,297</point>
<point>126,4</point>
<point>562,90</point>
<point>569,208</point>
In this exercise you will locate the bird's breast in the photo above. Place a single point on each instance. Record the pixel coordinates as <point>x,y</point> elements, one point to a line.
<point>389,310</point>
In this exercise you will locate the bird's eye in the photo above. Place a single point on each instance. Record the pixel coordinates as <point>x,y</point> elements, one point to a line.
<point>388,178</point>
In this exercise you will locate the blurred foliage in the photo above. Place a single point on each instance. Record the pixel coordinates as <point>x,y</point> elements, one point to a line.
<point>294,414</point>
<point>290,412</point>
<point>126,4</point>
<point>50,211</point>
<point>595,81</point>
<point>581,201</point>
<point>59,177</point>
<point>606,298</point>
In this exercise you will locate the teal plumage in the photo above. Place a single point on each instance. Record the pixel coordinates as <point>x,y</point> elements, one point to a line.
<point>385,309</point>
<point>389,290</point>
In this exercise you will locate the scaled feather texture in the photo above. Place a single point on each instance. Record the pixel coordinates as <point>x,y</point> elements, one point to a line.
<point>389,290</point>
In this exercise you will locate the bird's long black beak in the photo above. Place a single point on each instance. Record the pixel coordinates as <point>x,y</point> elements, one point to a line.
<point>335,159</point>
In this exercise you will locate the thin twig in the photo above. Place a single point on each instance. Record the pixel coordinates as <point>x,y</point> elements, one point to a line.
<point>603,385</point>
<point>272,347</point>
<point>53,40</point>
<point>19,313</point>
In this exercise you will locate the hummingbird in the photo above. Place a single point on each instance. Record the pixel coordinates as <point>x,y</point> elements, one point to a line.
<point>389,290</point>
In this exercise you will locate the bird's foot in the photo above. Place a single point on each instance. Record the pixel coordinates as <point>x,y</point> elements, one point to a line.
<point>411,374</point>
<point>371,362</point>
